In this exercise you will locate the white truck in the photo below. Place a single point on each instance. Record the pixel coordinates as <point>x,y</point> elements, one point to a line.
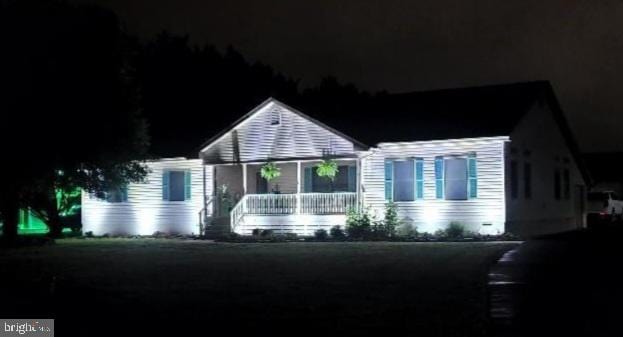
<point>604,206</point>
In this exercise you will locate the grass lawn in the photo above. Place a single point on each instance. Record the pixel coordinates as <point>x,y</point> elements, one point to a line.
<point>299,288</point>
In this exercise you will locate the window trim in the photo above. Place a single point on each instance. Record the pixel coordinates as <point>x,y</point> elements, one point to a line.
<point>418,179</point>
<point>390,197</point>
<point>166,195</point>
<point>472,181</point>
<point>440,178</point>
<point>557,184</point>
<point>566,183</point>
<point>527,180</point>
<point>466,158</point>
<point>514,179</point>
<point>410,159</point>
<point>275,121</point>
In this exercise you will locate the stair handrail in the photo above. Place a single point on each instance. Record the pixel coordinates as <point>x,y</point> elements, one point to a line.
<point>236,213</point>
<point>203,216</point>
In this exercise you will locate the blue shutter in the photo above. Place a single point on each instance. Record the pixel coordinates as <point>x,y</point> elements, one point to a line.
<point>472,176</point>
<point>124,194</point>
<point>307,180</point>
<point>187,185</point>
<point>389,177</point>
<point>165,185</point>
<point>439,177</point>
<point>352,178</point>
<point>419,178</point>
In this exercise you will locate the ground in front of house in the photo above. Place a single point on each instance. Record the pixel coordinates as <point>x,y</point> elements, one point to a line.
<point>279,288</point>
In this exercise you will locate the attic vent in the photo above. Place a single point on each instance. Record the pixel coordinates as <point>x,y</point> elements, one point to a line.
<point>275,117</point>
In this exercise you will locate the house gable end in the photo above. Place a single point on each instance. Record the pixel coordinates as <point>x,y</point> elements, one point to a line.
<point>274,131</point>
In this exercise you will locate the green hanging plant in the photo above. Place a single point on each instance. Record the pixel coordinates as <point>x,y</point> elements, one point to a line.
<point>270,171</point>
<point>327,168</point>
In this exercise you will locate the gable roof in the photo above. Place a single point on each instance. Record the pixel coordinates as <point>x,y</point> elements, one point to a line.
<point>484,111</point>
<point>218,136</point>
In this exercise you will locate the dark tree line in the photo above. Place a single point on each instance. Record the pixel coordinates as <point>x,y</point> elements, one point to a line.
<point>79,94</point>
<point>191,92</point>
<point>70,109</point>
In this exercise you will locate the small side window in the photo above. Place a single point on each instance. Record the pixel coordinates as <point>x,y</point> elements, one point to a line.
<point>275,117</point>
<point>116,195</point>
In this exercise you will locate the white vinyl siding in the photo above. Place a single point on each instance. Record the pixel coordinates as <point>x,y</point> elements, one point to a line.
<point>485,213</point>
<point>259,139</point>
<point>537,141</point>
<point>145,211</point>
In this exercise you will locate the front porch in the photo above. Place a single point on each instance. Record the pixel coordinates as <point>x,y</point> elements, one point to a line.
<point>298,201</point>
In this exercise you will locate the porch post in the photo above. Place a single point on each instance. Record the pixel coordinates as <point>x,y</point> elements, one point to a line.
<point>358,183</point>
<point>205,197</point>
<point>244,179</point>
<point>298,187</point>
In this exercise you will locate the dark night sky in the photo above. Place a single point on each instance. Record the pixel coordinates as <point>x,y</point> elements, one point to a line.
<point>417,45</point>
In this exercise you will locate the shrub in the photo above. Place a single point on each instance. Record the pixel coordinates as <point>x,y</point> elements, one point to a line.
<point>507,236</point>
<point>406,230</point>
<point>425,236</point>
<point>266,233</point>
<point>233,236</point>
<point>455,230</point>
<point>378,231</point>
<point>440,235</point>
<point>337,233</point>
<point>321,234</point>
<point>290,236</point>
<point>88,234</point>
<point>390,220</point>
<point>256,232</point>
<point>358,224</point>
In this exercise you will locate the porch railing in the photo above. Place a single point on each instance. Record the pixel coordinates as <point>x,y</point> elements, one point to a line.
<point>268,204</point>
<point>287,204</point>
<point>327,203</point>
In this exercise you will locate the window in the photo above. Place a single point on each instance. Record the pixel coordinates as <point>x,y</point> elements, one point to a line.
<point>455,181</point>
<point>557,184</point>
<point>275,117</point>
<point>404,179</point>
<point>345,180</point>
<point>176,185</point>
<point>116,195</point>
<point>514,180</point>
<point>527,180</point>
<point>439,177</point>
<point>113,195</point>
<point>566,179</point>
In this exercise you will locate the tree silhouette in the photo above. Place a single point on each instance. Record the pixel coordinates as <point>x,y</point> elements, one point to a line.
<point>70,116</point>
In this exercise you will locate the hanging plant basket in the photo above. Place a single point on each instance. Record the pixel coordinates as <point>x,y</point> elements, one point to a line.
<point>270,171</point>
<point>327,169</point>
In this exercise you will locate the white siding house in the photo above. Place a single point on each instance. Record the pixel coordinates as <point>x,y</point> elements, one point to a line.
<point>146,210</point>
<point>550,197</point>
<point>484,212</point>
<point>516,172</point>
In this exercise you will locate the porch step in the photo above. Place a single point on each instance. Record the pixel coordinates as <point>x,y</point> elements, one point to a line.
<point>219,226</point>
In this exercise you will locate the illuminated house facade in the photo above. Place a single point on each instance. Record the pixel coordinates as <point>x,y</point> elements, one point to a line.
<point>513,169</point>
